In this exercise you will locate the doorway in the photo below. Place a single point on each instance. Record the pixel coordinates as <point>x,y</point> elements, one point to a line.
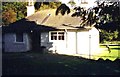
<point>36,40</point>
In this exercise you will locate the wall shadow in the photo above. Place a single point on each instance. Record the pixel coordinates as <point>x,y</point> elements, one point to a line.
<point>31,28</point>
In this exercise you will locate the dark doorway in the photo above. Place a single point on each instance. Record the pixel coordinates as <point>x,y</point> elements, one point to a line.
<point>36,40</point>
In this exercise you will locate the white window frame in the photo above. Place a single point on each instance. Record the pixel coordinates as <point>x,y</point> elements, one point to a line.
<point>57,35</point>
<point>16,38</point>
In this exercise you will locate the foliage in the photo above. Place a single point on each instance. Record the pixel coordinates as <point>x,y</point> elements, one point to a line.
<point>109,14</point>
<point>9,16</point>
<point>37,5</point>
<point>108,36</point>
<point>63,8</point>
<point>16,10</point>
<point>47,5</point>
<point>72,3</point>
<point>12,11</point>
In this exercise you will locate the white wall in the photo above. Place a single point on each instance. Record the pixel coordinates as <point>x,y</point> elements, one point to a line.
<point>71,42</point>
<point>74,43</point>
<point>83,42</point>
<point>55,45</point>
<point>11,46</point>
<point>94,40</point>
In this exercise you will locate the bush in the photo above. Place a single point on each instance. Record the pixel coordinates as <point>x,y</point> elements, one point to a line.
<point>108,36</point>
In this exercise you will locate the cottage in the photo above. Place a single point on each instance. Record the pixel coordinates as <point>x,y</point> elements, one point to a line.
<point>69,38</point>
<point>60,34</point>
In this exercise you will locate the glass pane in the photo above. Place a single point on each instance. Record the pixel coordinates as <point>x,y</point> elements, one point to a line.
<point>19,37</point>
<point>61,36</point>
<point>53,35</point>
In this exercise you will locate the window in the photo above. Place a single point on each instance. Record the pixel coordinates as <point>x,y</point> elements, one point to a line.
<point>57,35</point>
<point>84,2</point>
<point>19,37</point>
<point>53,35</point>
<point>61,36</point>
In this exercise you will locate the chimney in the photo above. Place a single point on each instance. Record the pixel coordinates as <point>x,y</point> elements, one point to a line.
<point>30,8</point>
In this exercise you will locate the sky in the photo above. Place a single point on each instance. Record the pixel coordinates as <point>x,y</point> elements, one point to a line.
<point>91,3</point>
<point>66,1</point>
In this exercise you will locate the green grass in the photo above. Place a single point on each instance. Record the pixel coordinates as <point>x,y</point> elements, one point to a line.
<point>114,54</point>
<point>112,42</point>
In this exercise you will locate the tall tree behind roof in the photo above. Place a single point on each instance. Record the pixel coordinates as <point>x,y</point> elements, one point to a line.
<point>19,8</point>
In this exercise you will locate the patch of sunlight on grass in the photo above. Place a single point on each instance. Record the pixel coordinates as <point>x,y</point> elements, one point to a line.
<point>94,57</point>
<point>112,58</point>
<point>104,53</point>
<point>114,54</point>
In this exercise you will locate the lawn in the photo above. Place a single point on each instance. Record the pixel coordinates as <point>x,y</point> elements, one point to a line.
<point>113,54</point>
<point>31,63</point>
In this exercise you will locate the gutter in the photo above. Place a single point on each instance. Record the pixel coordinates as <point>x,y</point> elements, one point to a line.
<point>76,42</point>
<point>66,37</point>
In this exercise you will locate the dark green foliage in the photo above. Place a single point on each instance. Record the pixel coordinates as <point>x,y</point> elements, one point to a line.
<point>108,36</point>
<point>72,3</point>
<point>13,11</point>
<point>37,5</point>
<point>63,9</point>
<point>16,10</point>
<point>8,16</point>
<point>47,5</point>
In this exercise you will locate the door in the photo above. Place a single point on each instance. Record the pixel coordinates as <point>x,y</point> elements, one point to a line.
<point>83,43</point>
<point>71,42</point>
<point>36,40</point>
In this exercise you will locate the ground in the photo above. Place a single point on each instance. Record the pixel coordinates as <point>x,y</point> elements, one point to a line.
<point>30,63</point>
<point>111,53</point>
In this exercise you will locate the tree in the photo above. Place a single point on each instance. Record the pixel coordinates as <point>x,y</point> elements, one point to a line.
<point>14,10</point>
<point>8,16</point>
<point>37,5</point>
<point>63,8</point>
<point>106,36</point>
<point>108,20</point>
<point>72,3</point>
<point>46,5</point>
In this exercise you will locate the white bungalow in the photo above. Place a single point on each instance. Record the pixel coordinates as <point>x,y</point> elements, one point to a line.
<point>69,38</point>
<point>60,34</point>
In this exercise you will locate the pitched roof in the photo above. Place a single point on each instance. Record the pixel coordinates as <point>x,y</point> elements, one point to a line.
<point>48,18</point>
<point>24,25</point>
<point>45,20</point>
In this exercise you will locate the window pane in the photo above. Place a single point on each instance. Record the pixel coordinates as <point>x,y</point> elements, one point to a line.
<point>53,35</point>
<point>61,36</point>
<point>19,37</point>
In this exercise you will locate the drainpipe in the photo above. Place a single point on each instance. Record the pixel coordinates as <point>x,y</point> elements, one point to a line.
<point>89,46</point>
<point>66,37</point>
<point>76,42</point>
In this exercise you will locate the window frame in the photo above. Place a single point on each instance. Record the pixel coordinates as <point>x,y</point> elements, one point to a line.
<point>16,41</point>
<point>50,39</point>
